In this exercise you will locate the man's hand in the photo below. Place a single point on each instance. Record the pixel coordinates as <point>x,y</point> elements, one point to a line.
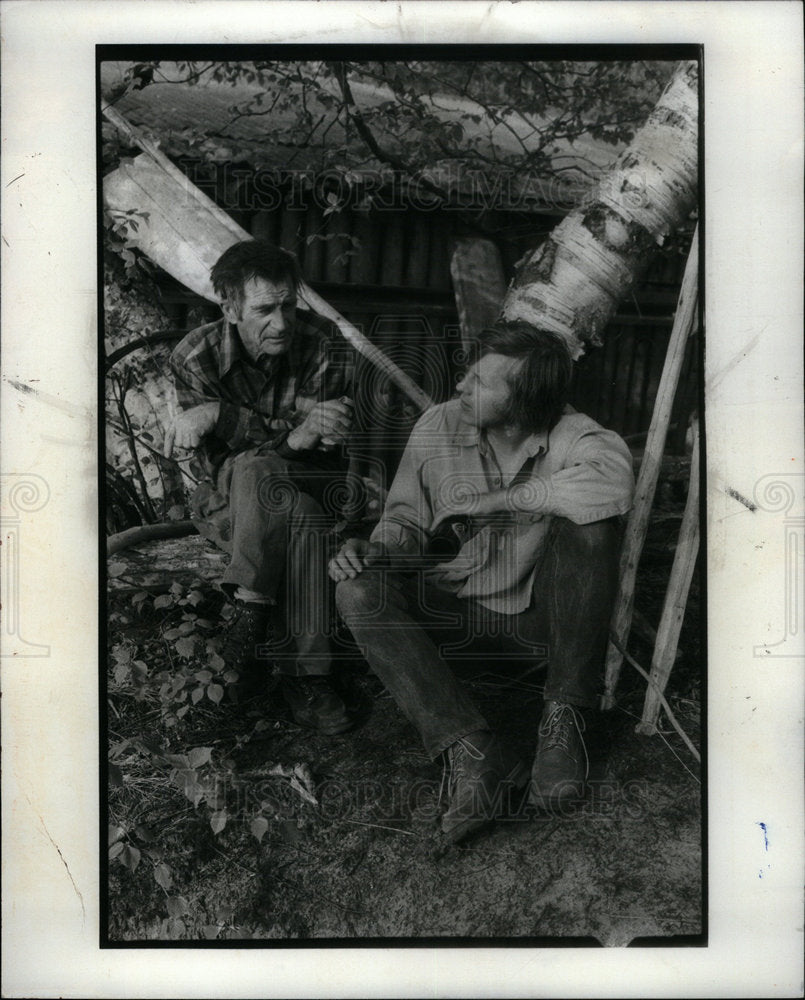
<point>328,422</point>
<point>356,555</point>
<point>189,427</point>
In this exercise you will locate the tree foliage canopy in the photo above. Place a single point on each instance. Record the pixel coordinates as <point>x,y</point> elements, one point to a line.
<point>418,120</point>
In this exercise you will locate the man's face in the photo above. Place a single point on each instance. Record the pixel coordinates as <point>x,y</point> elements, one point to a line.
<point>484,390</point>
<point>265,319</point>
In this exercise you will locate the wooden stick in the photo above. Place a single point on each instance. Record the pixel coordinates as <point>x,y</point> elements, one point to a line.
<point>671,717</point>
<point>207,206</point>
<point>675,599</point>
<point>684,325</point>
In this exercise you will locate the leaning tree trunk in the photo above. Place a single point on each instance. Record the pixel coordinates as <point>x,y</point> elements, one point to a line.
<point>572,284</point>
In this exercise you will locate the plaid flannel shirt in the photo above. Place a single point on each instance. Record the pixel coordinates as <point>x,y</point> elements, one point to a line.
<point>260,402</point>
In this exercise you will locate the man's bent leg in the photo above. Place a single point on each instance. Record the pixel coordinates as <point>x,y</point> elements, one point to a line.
<point>261,495</point>
<point>302,615</point>
<point>278,544</point>
<point>380,607</point>
<point>575,589</point>
<point>577,583</point>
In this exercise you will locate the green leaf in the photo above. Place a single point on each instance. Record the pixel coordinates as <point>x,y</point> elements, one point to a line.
<point>116,849</point>
<point>171,633</point>
<point>122,654</point>
<point>205,676</point>
<point>186,628</point>
<point>215,693</point>
<point>176,513</point>
<point>195,597</point>
<point>231,677</point>
<point>259,827</point>
<point>177,906</point>
<point>116,569</point>
<point>185,647</point>
<point>176,588</point>
<point>218,821</point>
<point>163,876</point>
<point>197,694</point>
<point>163,601</point>
<point>210,931</point>
<point>182,712</point>
<point>115,833</point>
<point>217,663</point>
<point>199,756</point>
<point>144,833</point>
<point>139,597</point>
<point>130,857</point>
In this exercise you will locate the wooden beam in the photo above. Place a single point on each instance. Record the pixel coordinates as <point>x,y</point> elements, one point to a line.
<point>479,285</point>
<point>676,599</point>
<point>684,325</point>
<point>185,232</point>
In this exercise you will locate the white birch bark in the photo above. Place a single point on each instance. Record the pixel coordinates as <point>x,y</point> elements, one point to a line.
<point>572,284</point>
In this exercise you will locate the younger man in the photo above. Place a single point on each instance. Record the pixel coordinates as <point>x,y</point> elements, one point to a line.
<point>543,488</point>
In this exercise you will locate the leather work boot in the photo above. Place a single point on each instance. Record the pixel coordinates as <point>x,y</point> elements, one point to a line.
<point>481,775</point>
<point>315,704</point>
<point>249,629</point>
<point>560,770</point>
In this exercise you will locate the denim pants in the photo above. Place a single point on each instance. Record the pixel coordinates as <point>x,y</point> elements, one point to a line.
<point>274,517</point>
<point>407,630</point>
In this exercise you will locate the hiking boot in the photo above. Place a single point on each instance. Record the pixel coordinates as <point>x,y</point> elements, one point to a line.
<point>315,704</point>
<point>249,630</point>
<point>481,776</point>
<point>560,770</point>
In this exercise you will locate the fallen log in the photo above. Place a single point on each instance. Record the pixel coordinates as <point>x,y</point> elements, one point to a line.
<point>148,533</point>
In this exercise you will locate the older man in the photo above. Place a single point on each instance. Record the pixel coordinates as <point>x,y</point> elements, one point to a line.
<point>263,397</point>
<point>541,489</point>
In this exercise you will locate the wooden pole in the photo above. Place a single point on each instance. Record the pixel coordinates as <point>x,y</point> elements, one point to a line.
<point>231,232</point>
<point>478,284</point>
<point>676,598</point>
<point>684,325</point>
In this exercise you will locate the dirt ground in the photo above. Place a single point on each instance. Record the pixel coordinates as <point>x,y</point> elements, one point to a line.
<point>347,844</point>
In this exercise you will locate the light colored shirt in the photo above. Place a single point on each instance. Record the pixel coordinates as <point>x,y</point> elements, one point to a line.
<point>578,470</point>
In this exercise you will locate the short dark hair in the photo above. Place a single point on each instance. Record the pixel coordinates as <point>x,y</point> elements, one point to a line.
<point>540,385</point>
<point>252,259</point>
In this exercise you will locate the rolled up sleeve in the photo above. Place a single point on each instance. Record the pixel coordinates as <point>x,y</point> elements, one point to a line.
<point>596,482</point>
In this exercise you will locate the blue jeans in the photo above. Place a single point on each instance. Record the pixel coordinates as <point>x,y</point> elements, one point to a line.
<point>408,630</point>
<point>274,518</point>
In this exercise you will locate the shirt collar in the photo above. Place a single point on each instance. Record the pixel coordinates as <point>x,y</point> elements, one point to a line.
<point>231,351</point>
<point>469,437</point>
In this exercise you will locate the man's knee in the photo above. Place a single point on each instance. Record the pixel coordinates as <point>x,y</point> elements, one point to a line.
<point>264,481</point>
<point>361,596</point>
<point>598,537</point>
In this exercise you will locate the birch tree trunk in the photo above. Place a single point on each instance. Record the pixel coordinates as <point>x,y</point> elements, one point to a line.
<point>572,283</point>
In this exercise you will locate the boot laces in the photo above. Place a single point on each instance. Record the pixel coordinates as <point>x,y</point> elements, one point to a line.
<point>557,730</point>
<point>455,760</point>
